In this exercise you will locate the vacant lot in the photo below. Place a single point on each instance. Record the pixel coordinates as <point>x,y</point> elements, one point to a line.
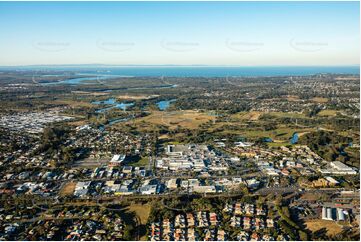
<point>142,212</point>
<point>77,123</point>
<point>287,115</point>
<point>255,115</point>
<point>67,189</point>
<point>142,161</point>
<point>91,162</point>
<point>280,135</point>
<point>332,227</point>
<point>71,103</point>
<point>293,98</point>
<point>187,119</point>
<point>247,116</point>
<point>327,112</point>
<point>319,100</point>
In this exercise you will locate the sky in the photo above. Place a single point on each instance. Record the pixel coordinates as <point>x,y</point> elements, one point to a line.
<point>180,33</point>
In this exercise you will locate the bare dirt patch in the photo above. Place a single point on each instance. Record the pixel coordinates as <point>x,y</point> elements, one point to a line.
<point>249,116</point>
<point>77,123</point>
<point>91,162</point>
<point>67,189</point>
<point>293,98</point>
<point>331,226</point>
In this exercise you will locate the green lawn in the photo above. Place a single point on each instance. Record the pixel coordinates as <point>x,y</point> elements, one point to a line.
<point>287,115</point>
<point>143,161</point>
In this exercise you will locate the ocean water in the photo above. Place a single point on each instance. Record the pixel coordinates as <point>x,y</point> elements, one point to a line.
<point>196,71</point>
<point>229,71</point>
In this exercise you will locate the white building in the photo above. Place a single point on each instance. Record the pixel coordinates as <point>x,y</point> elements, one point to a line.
<point>338,168</point>
<point>272,171</point>
<point>117,160</point>
<point>333,214</point>
<point>81,189</point>
<point>252,183</point>
<point>340,214</point>
<point>341,166</point>
<point>172,184</point>
<point>148,189</point>
<point>331,180</point>
<point>243,144</point>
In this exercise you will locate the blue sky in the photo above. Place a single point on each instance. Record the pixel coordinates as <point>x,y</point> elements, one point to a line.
<point>180,33</point>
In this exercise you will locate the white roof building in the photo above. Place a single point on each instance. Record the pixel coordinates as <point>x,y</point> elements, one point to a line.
<point>117,160</point>
<point>331,180</point>
<point>340,166</point>
<point>148,189</point>
<point>172,183</point>
<point>243,144</point>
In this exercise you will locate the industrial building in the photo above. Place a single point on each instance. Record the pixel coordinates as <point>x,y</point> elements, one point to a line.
<point>329,213</point>
<point>338,168</point>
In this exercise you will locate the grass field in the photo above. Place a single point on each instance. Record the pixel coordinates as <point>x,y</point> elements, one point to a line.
<point>187,119</point>
<point>287,115</point>
<point>90,93</point>
<point>143,161</point>
<point>72,103</point>
<point>280,135</point>
<point>255,115</point>
<point>142,212</point>
<point>247,116</point>
<point>332,227</point>
<point>327,112</point>
<point>320,99</point>
<point>279,144</point>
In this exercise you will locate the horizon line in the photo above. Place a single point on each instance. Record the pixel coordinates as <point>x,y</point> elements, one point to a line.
<point>172,65</point>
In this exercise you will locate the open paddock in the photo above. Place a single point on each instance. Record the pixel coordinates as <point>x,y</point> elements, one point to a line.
<point>189,119</point>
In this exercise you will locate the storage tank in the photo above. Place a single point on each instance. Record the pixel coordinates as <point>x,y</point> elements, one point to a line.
<point>340,214</point>
<point>329,214</point>
<point>324,214</point>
